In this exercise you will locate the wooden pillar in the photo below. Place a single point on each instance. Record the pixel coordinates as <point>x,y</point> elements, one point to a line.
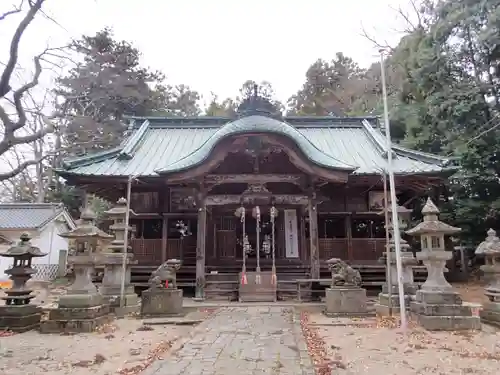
<point>303,246</point>
<point>164,239</point>
<point>348,231</point>
<point>313,237</point>
<point>200,249</point>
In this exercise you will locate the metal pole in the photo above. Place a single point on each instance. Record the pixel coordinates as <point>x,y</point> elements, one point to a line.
<point>257,221</point>
<point>392,188</point>
<point>388,254</point>
<point>273,215</point>
<point>125,243</point>
<point>243,219</point>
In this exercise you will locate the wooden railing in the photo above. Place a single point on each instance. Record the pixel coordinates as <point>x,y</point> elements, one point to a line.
<point>363,249</point>
<point>149,252</point>
<point>367,248</point>
<point>146,252</point>
<point>333,248</point>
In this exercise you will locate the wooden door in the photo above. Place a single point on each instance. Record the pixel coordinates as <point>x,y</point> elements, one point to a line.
<point>225,237</point>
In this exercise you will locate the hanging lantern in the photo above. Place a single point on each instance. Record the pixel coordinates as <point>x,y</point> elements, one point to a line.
<point>256,213</point>
<point>240,212</point>
<point>273,212</point>
<point>266,245</point>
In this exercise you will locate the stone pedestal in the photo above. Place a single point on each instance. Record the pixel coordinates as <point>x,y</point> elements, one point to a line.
<point>161,302</point>
<point>77,313</point>
<point>346,301</point>
<point>443,311</point>
<point>408,261</point>
<point>490,249</point>
<point>20,318</point>
<point>82,309</point>
<point>490,312</point>
<point>436,305</point>
<point>110,288</point>
<point>265,291</point>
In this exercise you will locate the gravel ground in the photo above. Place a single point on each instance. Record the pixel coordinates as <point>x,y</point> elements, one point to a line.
<point>120,348</point>
<point>375,347</point>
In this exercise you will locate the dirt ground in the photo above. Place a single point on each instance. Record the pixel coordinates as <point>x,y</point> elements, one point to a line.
<point>471,291</point>
<point>123,347</point>
<point>374,347</point>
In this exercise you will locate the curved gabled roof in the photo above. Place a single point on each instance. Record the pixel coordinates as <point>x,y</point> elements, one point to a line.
<point>168,144</point>
<point>256,124</point>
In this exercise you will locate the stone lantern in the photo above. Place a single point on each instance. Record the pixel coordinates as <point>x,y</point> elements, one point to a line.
<point>82,308</point>
<point>407,261</point>
<point>18,314</point>
<point>490,249</point>
<point>112,259</point>
<point>491,242</point>
<point>437,306</point>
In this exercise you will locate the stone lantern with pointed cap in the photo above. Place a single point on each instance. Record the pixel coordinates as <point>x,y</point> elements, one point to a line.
<point>112,259</point>
<point>18,314</point>
<point>407,261</point>
<point>437,306</point>
<point>82,308</point>
<point>490,249</point>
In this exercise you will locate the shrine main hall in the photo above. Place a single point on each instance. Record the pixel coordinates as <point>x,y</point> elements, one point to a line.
<point>255,191</point>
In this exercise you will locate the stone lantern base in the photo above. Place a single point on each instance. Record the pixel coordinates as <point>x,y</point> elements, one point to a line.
<point>20,318</point>
<point>382,307</point>
<point>77,313</point>
<point>490,313</point>
<point>346,301</point>
<point>161,302</point>
<point>111,284</point>
<point>443,311</point>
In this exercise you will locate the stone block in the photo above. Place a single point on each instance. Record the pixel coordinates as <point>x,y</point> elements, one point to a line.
<point>382,307</point>
<point>490,313</point>
<point>74,325</point>
<point>253,292</point>
<point>80,300</point>
<point>69,313</point>
<point>346,301</point>
<point>448,323</point>
<point>161,302</point>
<point>436,297</point>
<point>440,310</point>
<point>20,318</point>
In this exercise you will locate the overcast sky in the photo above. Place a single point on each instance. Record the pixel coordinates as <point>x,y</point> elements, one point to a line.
<point>215,45</point>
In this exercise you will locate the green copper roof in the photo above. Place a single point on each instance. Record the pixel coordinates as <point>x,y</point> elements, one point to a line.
<point>163,145</point>
<point>257,124</point>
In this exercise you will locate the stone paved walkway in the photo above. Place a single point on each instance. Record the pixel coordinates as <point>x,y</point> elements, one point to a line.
<point>242,341</point>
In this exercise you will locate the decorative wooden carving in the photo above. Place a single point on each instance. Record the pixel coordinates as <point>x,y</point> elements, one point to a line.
<point>217,179</point>
<point>182,200</point>
<point>220,200</point>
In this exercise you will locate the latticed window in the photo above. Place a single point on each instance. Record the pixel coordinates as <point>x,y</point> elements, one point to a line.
<point>436,242</point>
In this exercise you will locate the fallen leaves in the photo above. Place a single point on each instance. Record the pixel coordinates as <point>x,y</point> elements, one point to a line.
<point>98,359</point>
<point>317,348</point>
<point>7,333</point>
<point>107,328</point>
<point>152,356</point>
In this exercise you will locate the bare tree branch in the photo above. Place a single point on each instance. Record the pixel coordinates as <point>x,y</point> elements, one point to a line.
<point>11,12</point>
<point>21,167</point>
<point>35,6</point>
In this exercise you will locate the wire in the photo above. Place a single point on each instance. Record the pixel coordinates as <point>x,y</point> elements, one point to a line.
<point>482,133</point>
